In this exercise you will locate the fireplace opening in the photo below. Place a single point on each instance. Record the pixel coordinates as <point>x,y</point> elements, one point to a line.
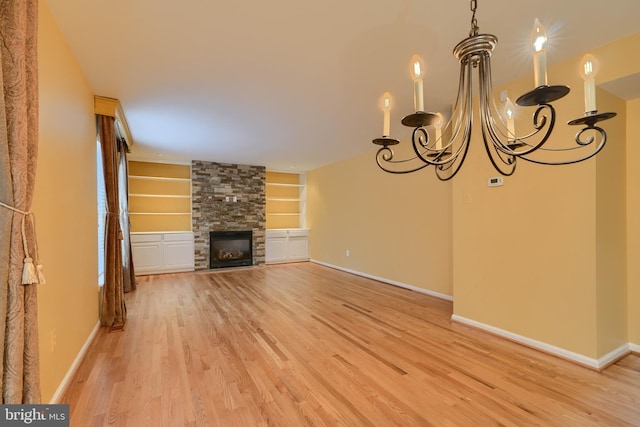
<point>230,248</point>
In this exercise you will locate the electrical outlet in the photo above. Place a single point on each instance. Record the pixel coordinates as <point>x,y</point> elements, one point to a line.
<point>347,252</point>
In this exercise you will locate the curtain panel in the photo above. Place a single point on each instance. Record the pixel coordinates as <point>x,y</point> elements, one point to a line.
<point>113,311</point>
<point>20,379</point>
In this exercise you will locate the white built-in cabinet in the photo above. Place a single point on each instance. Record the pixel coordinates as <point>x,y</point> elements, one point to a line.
<point>286,245</point>
<point>162,252</point>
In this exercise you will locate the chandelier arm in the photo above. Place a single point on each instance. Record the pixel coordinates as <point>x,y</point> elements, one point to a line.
<point>436,156</point>
<point>523,138</point>
<point>540,122</point>
<point>487,101</point>
<point>458,166</point>
<point>386,154</point>
<point>464,112</point>
<point>493,151</point>
<point>501,120</point>
<point>457,118</point>
<point>486,117</point>
<point>416,141</point>
<point>493,145</point>
<point>455,161</point>
<point>581,144</point>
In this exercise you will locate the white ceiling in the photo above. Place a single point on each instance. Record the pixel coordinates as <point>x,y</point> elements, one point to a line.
<point>294,84</point>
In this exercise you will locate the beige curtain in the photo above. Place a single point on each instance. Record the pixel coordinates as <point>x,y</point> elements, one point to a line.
<point>18,152</point>
<point>113,312</point>
<point>128,272</point>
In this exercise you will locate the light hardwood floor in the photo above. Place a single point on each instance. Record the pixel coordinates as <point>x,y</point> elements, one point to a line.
<point>302,344</point>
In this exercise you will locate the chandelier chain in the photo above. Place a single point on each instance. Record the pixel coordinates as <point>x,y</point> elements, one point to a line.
<point>474,21</point>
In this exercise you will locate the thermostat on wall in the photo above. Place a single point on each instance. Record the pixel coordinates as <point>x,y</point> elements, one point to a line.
<point>496,181</point>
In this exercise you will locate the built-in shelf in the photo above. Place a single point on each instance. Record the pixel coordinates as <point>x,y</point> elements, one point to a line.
<point>160,197</point>
<point>168,196</point>
<point>159,213</point>
<point>159,178</point>
<point>278,184</point>
<point>285,197</point>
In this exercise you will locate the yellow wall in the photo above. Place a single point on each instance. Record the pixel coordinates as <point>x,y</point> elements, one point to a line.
<point>65,206</point>
<point>633,220</point>
<point>524,253</point>
<point>544,256</point>
<point>611,229</point>
<point>395,227</point>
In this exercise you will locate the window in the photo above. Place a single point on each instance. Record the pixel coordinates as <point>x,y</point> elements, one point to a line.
<point>102,212</point>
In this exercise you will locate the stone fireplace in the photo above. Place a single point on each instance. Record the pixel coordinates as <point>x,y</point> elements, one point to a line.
<point>227,198</point>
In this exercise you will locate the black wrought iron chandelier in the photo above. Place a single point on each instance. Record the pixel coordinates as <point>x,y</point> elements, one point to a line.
<point>503,146</point>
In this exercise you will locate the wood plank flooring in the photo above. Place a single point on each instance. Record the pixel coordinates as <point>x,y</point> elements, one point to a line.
<point>306,345</point>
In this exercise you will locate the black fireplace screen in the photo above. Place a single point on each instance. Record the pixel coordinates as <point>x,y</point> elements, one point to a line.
<point>230,248</point>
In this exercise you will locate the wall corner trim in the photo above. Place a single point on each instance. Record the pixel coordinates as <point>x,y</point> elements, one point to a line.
<point>388,281</point>
<point>588,362</point>
<point>634,348</point>
<point>64,384</point>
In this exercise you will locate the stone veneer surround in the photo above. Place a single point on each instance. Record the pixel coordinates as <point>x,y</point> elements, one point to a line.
<point>211,184</point>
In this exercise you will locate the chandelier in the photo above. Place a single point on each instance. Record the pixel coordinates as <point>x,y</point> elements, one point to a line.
<point>503,146</point>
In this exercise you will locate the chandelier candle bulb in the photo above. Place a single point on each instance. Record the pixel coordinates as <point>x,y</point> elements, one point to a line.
<point>588,71</point>
<point>417,71</point>
<point>511,127</point>
<point>539,42</point>
<point>386,108</point>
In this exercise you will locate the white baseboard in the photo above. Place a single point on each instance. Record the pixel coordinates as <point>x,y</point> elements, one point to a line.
<point>580,359</point>
<point>390,282</point>
<point>613,356</point>
<point>74,366</point>
<point>634,347</point>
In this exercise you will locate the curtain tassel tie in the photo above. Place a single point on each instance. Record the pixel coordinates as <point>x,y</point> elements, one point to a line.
<point>31,274</point>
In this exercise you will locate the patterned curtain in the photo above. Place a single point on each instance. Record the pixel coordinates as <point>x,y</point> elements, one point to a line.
<point>113,312</point>
<point>20,379</point>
